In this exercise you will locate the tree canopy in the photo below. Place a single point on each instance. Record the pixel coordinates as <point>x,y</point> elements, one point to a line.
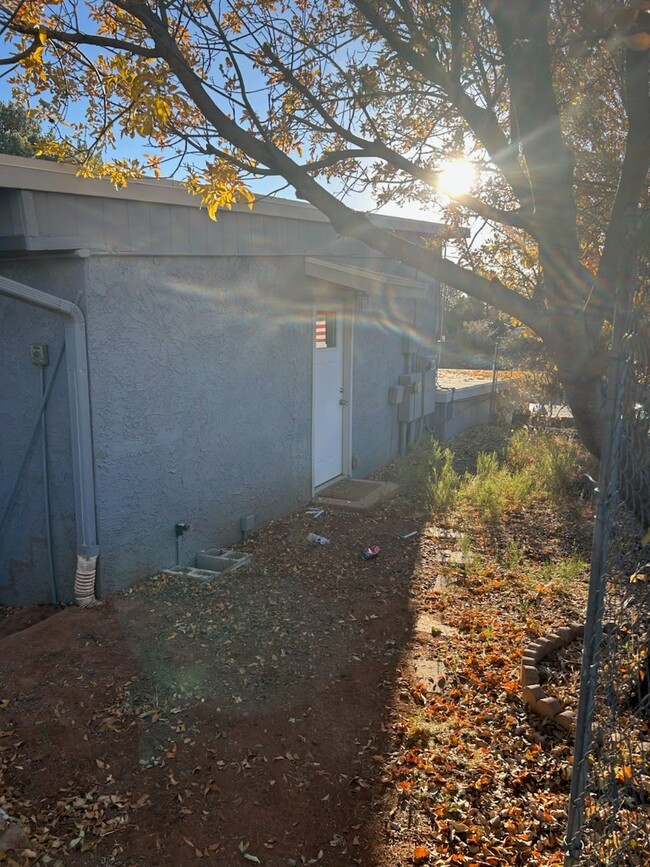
<point>549,101</point>
<point>20,134</point>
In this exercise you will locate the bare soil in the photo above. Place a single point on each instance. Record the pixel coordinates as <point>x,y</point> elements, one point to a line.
<point>313,708</point>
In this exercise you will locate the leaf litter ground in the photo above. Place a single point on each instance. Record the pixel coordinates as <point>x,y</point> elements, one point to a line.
<point>313,708</point>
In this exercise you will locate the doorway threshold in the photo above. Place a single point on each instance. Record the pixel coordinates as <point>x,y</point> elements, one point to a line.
<point>355,495</point>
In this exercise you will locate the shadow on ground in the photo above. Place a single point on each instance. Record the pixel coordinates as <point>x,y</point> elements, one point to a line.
<point>240,721</point>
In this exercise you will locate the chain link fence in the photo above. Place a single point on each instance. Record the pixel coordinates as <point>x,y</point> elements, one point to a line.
<point>609,813</point>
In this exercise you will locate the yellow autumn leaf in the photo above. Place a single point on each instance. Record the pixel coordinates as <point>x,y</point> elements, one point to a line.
<point>624,774</point>
<point>162,109</point>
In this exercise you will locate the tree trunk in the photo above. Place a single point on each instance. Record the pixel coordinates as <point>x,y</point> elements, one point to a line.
<point>585,398</point>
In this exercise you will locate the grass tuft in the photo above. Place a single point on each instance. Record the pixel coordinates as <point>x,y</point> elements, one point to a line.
<point>443,479</point>
<point>559,576</point>
<point>551,458</point>
<point>495,489</point>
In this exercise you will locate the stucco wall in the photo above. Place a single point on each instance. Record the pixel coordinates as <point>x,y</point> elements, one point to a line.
<point>453,418</point>
<point>201,390</point>
<point>24,573</point>
<point>379,361</point>
<point>201,383</point>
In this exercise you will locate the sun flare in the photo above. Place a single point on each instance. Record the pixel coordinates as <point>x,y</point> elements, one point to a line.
<point>457,178</point>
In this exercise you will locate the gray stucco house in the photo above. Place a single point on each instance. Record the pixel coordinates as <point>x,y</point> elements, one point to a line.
<point>191,371</point>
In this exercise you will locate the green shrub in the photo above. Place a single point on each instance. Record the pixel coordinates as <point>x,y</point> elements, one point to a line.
<point>443,479</point>
<point>552,460</point>
<point>521,450</point>
<point>468,445</point>
<point>557,466</point>
<point>473,560</point>
<point>513,556</point>
<point>495,489</point>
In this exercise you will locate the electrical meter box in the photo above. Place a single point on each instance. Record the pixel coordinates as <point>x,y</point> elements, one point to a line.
<point>426,359</point>
<point>410,381</point>
<point>395,395</point>
<point>409,345</point>
<point>410,407</point>
<point>429,386</point>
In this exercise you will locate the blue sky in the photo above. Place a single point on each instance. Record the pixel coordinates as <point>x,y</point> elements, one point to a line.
<point>135,148</point>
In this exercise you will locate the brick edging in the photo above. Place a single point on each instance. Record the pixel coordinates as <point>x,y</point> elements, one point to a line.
<point>532,692</point>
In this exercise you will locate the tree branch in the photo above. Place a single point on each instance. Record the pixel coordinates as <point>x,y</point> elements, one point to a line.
<point>481,120</point>
<point>378,149</point>
<point>344,219</point>
<point>16,58</point>
<point>77,38</point>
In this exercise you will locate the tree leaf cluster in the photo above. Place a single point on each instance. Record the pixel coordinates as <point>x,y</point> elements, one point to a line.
<point>548,100</point>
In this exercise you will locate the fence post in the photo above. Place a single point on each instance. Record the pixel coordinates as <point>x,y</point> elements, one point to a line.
<point>608,501</point>
<point>593,624</point>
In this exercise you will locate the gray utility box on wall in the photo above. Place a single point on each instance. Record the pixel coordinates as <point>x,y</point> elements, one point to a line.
<point>395,395</point>
<point>410,407</point>
<point>429,386</point>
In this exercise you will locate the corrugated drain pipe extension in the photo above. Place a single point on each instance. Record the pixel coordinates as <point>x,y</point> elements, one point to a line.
<point>81,433</point>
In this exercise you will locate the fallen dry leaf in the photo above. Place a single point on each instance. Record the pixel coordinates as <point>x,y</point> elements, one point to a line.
<point>420,854</point>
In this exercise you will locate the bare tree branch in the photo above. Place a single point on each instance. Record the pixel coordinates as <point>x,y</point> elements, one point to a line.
<point>343,218</point>
<point>480,120</point>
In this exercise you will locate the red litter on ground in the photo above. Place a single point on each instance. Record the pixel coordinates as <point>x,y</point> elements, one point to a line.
<point>369,553</point>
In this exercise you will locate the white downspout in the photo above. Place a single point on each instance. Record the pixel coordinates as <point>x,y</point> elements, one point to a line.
<point>80,428</point>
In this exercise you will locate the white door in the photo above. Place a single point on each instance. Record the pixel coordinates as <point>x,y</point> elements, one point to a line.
<point>328,394</point>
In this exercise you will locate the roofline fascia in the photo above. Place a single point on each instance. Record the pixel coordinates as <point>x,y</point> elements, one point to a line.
<point>24,173</point>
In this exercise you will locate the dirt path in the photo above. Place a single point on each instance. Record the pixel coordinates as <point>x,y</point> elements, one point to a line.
<point>314,708</point>
<point>183,721</point>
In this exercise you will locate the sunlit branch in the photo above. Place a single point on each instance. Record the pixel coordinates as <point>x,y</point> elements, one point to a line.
<point>344,219</point>
<point>16,58</point>
<point>162,11</point>
<point>11,14</point>
<point>382,151</point>
<point>240,77</point>
<point>76,38</point>
<point>480,120</point>
<point>212,150</point>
